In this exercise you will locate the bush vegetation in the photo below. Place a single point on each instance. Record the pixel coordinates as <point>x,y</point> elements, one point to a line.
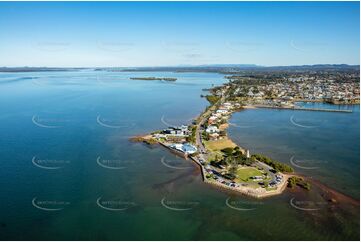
<point>298,181</point>
<point>278,166</point>
<point>212,99</point>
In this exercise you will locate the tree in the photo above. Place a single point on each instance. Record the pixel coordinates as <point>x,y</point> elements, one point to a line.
<point>237,152</point>
<point>278,166</point>
<point>233,168</point>
<point>227,151</point>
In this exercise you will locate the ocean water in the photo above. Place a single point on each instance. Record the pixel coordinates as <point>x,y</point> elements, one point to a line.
<point>322,145</point>
<point>69,171</point>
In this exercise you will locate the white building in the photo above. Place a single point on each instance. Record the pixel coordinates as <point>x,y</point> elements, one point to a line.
<point>212,129</point>
<point>185,148</point>
<point>222,111</point>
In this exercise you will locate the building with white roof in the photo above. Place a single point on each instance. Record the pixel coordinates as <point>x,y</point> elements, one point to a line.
<point>212,129</point>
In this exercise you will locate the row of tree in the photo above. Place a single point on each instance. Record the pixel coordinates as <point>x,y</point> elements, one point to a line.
<point>278,166</point>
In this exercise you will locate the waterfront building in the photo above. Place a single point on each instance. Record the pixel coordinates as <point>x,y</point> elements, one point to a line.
<point>213,136</point>
<point>212,119</point>
<point>212,129</point>
<point>185,148</point>
<point>177,131</point>
<point>222,111</point>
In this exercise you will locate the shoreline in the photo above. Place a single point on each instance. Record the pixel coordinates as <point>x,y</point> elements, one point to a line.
<point>330,193</point>
<point>250,191</point>
<point>259,192</point>
<point>334,195</point>
<point>206,150</point>
<point>306,109</point>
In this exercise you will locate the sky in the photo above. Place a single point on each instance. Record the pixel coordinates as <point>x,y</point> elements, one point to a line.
<point>126,34</point>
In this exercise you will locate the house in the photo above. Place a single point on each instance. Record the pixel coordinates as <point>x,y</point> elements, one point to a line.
<point>213,136</point>
<point>222,111</point>
<point>177,131</point>
<point>184,128</point>
<point>169,131</point>
<point>212,129</point>
<point>212,119</point>
<point>227,105</point>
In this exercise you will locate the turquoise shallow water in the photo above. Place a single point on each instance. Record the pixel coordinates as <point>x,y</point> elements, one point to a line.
<point>68,170</point>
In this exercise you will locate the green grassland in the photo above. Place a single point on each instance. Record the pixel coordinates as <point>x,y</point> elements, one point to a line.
<point>245,173</point>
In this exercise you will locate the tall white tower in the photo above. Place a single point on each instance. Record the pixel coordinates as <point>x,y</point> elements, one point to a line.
<point>247,154</point>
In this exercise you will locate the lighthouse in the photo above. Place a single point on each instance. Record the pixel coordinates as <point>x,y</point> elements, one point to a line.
<point>247,154</point>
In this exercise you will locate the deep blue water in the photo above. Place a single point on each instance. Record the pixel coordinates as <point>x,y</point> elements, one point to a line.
<point>323,145</point>
<point>69,172</point>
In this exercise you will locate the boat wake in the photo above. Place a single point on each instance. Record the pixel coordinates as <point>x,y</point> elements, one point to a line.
<point>301,125</point>
<point>163,161</point>
<point>241,126</point>
<point>101,123</point>
<point>293,162</point>
<point>165,122</point>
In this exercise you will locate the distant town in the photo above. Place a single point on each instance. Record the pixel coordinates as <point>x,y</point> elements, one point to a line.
<point>340,88</point>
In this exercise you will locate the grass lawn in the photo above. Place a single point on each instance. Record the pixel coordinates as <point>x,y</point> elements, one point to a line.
<point>216,145</point>
<point>212,156</point>
<point>245,173</point>
<point>271,188</point>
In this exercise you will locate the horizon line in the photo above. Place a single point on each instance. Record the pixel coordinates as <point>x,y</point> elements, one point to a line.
<point>183,66</point>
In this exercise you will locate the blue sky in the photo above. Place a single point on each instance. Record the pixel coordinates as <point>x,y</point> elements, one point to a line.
<point>90,34</point>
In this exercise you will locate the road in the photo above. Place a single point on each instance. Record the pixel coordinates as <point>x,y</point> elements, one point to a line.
<point>199,143</point>
<point>268,169</point>
<point>203,151</point>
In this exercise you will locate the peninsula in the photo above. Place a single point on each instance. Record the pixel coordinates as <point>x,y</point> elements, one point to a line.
<point>169,79</point>
<point>226,165</point>
<point>222,162</point>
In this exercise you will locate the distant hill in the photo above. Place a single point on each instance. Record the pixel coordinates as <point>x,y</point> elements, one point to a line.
<point>316,67</point>
<point>218,68</point>
<point>235,68</point>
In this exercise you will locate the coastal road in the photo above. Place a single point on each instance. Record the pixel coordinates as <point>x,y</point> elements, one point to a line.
<point>268,169</point>
<point>199,143</point>
<point>203,151</point>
